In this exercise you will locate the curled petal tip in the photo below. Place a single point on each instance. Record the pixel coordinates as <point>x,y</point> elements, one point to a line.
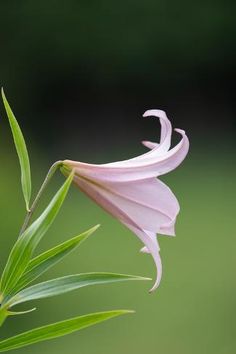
<point>155,112</point>
<point>155,286</point>
<point>180,131</point>
<point>144,142</point>
<point>144,250</point>
<point>149,144</point>
<point>158,262</point>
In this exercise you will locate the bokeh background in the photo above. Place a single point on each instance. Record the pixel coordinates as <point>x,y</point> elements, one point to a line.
<point>79,74</point>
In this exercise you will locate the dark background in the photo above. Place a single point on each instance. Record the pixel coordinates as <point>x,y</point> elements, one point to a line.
<point>79,75</point>
<point>86,70</point>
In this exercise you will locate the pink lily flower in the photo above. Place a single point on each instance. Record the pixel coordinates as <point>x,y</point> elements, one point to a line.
<point>130,191</point>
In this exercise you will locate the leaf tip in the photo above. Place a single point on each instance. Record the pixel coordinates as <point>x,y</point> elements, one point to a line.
<point>138,277</point>
<point>3,95</point>
<point>94,228</point>
<point>128,311</point>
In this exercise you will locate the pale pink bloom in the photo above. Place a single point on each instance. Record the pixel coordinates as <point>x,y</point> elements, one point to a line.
<point>130,191</point>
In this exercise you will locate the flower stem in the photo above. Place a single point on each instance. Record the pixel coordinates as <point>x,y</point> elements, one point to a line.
<point>3,315</point>
<point>48,177</point>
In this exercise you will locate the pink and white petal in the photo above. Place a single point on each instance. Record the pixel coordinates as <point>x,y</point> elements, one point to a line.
<point>149,144</point>
<point>144,250</point>
<point>124,171</point>
<point>165,140</point>
<point>166,128</point>
<point>168,229</point>
<point>151,248</point>
<point>166,131</point>
<point>105,199</point>
<point>149,202</point>
<point>155,161</point>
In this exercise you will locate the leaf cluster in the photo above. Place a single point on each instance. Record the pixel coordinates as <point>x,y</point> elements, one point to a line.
<point>22,267</point>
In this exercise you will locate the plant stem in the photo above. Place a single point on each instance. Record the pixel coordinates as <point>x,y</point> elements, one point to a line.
<point>48,177</point>
<point>3,315</point>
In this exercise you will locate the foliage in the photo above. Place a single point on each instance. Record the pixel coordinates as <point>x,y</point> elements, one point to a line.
<point>22,267</point>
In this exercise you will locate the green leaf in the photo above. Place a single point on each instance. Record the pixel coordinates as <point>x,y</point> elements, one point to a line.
<point>65,284</point>
<point>58,329</point>
<point>25,245</point>
<point>46,260</point>
<point>21,151</point>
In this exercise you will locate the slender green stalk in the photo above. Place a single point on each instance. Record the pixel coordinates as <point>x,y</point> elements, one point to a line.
<point>3,315</point>
<point>48,177</point>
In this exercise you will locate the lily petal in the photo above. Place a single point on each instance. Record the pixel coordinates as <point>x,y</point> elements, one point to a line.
<point>145,207</point>
<point>152,248</point>
<point>153,165</point>
<point>166,128</point>
<point>150,144</point>
<point>149,203</point>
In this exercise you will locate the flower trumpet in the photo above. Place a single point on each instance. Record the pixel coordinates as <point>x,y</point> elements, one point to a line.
<point>130,191</point>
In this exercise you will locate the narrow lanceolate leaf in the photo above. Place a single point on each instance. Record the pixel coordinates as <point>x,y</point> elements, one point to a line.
<point>46,260</point>
<point>25,245</point>
<point>21,151</point>
<point>58,329</point>
<point>65,284</point>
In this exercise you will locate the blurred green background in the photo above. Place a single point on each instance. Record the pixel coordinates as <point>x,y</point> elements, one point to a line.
<point>79,75</point>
